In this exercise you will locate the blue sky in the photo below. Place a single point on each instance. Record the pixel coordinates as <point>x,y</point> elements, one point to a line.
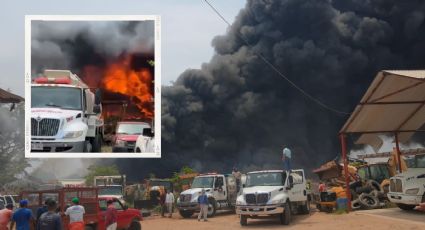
<point>188,26</point>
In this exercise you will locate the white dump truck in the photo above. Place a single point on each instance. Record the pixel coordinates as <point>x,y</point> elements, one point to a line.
<point>407,189</point>
<point>273,193</point>
<point>221,191</point>
<point>65,114</point>
<point>111,186</point>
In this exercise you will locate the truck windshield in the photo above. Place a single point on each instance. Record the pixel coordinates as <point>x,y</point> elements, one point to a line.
<point>265,179</point>
<point>203,182</point>
<point>56,97</point>
<point>131,129</point>
<point>115,190</point>
<point>419,162</point>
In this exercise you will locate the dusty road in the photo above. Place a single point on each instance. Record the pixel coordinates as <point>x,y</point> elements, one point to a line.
<point>315,221</point>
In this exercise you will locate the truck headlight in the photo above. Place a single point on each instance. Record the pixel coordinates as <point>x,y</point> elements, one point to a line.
<point>240,202</point>
<point>120,143</point>
<point>275,201</point>
<point>412,191</point>
<point>73,134</point>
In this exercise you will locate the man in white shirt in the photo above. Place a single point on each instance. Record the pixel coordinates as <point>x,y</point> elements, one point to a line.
<point>286,158</point>
<point>76,214</point>
<point>169,201</point>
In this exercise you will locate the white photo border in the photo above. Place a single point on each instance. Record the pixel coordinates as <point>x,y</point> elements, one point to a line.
<point>157,89</point>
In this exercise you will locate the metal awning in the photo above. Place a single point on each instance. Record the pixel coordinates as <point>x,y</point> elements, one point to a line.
<point>394,103</point>
<point>6,97</point>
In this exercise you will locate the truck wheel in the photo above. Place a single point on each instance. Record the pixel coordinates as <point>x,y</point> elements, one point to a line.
<point>285,217</point>
<point>355,204</point>
<point>97,144</point>
<point>186,214</point>
<point>406,207</point>
<point>135,225</point>
<point>305,208</point>
<point>243,220</point>
<point>212,208</point>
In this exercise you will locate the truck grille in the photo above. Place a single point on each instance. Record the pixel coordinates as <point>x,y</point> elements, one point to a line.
<point>260,198</point>
<point>44,127</point>
<point>396,185</point>
<point>185,197</point>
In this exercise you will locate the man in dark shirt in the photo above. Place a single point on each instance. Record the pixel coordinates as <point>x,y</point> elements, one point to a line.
<point>162,202</point>
<point>41,210</point>
<point>111,216</point>
<point>50,220</point>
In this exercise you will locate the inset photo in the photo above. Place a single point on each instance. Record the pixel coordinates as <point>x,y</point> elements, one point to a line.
<point>93,86</point>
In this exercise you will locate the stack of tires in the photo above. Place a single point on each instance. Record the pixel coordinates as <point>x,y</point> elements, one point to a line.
<point>366,196</point>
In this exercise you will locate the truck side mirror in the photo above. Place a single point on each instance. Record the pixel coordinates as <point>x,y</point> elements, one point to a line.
<point>97,97</point>
<point>147,132</point>
<point>96,109</point>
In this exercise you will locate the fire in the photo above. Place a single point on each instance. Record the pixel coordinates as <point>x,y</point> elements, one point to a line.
<point>120,77</point>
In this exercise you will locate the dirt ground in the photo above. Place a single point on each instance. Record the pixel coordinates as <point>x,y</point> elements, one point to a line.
<point>315,221</point>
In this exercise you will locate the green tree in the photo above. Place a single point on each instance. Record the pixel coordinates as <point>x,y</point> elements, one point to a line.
<point>99,170</point>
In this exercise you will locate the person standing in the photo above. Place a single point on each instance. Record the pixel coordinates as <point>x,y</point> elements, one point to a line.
<point>22,217</point>
<point>237,176</point>
<point>162,202</point>
<point>5,216</point>
<point>41,210</point>
<point>169,201</point>
<point>111,216</point>
<point>203,205</point>
<point>76,215</point>
<point>50,220</point>
<point>286,158</point>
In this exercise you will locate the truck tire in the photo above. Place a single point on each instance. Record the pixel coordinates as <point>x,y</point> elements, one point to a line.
<point>96,144</point>
<point>212,207</point>
<point>406,207</point>
<point>186,214</point>
<point>374,185</point>
<point>135,225</point>
<point>305,208</point>
<point>368,201</point>
<point>355,204</point>
<point>285,217</point>
<point>243,220</point>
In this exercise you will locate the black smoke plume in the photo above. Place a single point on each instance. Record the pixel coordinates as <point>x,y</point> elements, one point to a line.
<point>236,110</point>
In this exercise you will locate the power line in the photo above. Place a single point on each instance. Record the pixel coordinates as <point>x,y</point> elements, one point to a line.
<point>276,70</point>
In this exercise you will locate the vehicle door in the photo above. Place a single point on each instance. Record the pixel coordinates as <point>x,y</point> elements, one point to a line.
<point>219,188</point>
<point>299,190</point>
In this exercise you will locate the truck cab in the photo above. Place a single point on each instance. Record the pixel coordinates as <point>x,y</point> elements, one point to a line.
<point>407,189</point>
<point>273,193</point>
<point>220,189</point>
<point>65,114</point>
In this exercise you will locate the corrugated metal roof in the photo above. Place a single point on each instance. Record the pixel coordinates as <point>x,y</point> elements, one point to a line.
<point>394,102</point>
<point>6,97</point>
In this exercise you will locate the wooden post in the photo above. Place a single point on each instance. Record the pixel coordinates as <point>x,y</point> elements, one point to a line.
<point>347,178</point>
<point>398,153</point>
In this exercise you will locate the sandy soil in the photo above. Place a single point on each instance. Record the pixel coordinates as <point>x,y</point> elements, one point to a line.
<point>315,221</point>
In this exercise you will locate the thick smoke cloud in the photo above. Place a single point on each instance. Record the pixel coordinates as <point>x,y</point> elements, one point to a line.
<point>76,44</point>
<point>236,111</point>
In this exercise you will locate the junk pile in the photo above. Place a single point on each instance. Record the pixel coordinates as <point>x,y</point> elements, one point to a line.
<point>367,195</point>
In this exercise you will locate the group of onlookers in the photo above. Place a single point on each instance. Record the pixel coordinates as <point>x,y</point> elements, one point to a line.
<point>48,217</point>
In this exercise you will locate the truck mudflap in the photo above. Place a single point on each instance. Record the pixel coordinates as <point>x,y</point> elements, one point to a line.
<point>404,199</point>
<point>188,206</point>
<point>57,146</point>
<point>259,210</point>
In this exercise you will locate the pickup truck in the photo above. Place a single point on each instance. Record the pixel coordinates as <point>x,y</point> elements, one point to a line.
<point>95,207</point>
<point>220,189</point>
<point>407,189</point>
<point>273,193</point>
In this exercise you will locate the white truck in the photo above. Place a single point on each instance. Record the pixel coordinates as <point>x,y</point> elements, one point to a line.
<point>407,189</point>
<point>145,143</point>
<point>111,186</point>
<point>273,193</point>
<point>65,114</point>
<point>221,191</point>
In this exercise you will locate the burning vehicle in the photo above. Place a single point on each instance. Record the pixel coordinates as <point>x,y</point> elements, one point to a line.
<point>65,114</point>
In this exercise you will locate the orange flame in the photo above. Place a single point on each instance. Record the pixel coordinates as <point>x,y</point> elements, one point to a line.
<point>121,78</point>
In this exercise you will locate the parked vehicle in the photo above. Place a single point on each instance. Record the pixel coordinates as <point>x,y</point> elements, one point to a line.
<point>111,186</point>
<point>65,114</point>
<point>407,189</point>
<point>273,193</point>
<point>220,189</point>
<point>95,207</point>
<point>145,143</point>
<point>8,199</point>
<point>126,134</point>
